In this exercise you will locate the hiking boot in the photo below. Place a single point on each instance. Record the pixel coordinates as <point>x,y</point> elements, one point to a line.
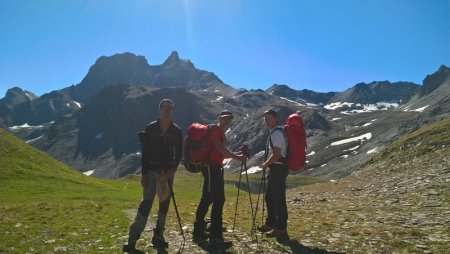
<point>199,232</point>
<point>158,240</point>
<point>129,247</point>
<point>265,228</point>
<point>278,233</point>
<point>220,242</point>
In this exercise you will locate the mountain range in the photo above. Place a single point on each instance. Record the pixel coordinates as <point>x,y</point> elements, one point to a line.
<point>92,125</point>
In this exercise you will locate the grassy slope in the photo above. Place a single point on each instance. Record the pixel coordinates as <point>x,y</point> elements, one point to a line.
<point>45,206</point>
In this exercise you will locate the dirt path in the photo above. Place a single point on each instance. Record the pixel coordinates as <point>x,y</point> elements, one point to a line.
<point>243,242</point>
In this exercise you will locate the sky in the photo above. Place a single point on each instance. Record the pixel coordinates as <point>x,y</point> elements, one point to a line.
<point>321,45</point>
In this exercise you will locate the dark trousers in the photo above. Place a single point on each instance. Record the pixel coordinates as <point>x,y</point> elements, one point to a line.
<point>277,214</point>
<point>213,193</point>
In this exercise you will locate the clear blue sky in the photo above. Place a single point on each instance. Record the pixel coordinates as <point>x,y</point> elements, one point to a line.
<point>322,45</point>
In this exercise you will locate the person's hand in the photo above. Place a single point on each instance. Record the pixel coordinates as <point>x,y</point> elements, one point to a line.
<point>240,157</point>
<point>144,180</point>
<point>265,169</point>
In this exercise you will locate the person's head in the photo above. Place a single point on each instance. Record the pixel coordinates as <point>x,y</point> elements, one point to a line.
<point>166,109</point>
<point>270,118</point>
<point>225,118</point>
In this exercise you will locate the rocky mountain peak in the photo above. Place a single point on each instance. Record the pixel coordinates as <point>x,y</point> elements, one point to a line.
<point>433,81</point>
<point>126,68</point>
<point>174,61</point>
<point>279,89</point>
<point>443,68</point>
<point>117,62</point>
<point>172,58</point>
<point>16,95</point>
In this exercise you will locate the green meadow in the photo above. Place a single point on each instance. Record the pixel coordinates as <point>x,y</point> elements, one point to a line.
<point>46,206</point>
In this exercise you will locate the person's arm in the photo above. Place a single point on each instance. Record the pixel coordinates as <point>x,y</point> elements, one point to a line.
<point>227,154</point>
<point>272,158</point>
<point>278,140</point>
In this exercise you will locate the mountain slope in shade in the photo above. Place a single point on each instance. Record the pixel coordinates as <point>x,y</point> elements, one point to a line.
<point>102,136</point>
<point>382,91</point>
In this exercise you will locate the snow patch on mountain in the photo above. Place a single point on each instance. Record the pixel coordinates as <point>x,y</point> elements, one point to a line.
<point>32,140</point>
<point>363,137</point>
<point>372,150</point>
<point>252,170</point>
<point>89,172</point>
<point>360,108</point>
<point>25,126</point>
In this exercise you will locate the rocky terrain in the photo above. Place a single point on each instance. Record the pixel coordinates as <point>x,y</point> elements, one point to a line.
<point>399,202</point>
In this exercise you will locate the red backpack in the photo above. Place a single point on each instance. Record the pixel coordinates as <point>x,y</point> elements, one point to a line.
<point>296,138</point>
<point>294,131</point>
<point>196,152</point>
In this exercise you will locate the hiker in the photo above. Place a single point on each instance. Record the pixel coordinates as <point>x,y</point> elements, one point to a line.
<point>277,169</point>
<point>213,183</point>
<point>161,154</point>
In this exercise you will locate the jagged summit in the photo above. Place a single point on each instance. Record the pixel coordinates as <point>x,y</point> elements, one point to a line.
<point>172,58</point>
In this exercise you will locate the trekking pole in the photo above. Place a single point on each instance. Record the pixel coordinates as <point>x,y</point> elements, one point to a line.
<point>237,196</point>
<point>253,231</point>
<point>264,197</point>
<point>259,194</point>
<point>178,217</point>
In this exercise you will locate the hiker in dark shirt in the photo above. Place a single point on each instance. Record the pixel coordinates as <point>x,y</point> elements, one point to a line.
<point>275,164</point>
<point>213,183</point>
<point>161,154</point>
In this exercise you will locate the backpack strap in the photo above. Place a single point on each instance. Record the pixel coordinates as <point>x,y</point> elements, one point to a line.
<point>269,141</point>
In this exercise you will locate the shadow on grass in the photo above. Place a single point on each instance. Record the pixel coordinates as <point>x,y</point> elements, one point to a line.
<point>204,244</point>
<point>158,251</point>
<point>298,248</point>
<point>161,251</point>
